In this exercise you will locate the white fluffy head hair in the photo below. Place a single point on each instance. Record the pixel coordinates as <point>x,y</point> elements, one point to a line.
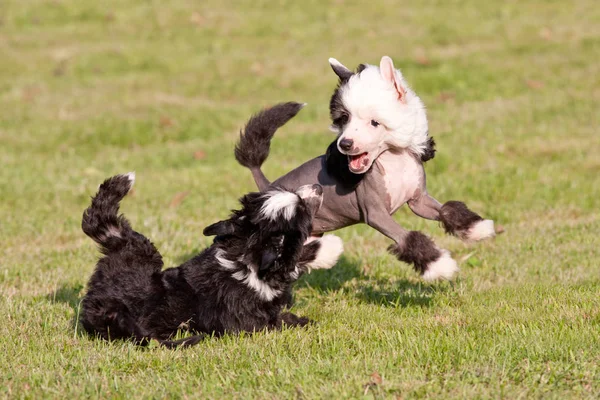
<point>374,110</point>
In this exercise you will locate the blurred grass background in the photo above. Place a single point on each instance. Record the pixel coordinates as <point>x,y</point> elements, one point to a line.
<point>90,89</point>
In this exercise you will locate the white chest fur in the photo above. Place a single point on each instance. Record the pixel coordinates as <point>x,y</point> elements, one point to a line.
<point>403,176</point>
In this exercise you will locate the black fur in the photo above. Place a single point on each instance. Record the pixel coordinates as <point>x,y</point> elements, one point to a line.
<point>337,166</point>
<point>429,152</point>
<point>457,219</point>
<point>337,110</point>
<point>342,72</point>
<point>130,297</point>
<point>417,250</point>
<point>256,136</point>
<point>360,68</point>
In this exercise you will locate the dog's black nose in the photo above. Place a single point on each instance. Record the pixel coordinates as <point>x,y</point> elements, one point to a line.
<point>346,144</point>
<point>318,189</point>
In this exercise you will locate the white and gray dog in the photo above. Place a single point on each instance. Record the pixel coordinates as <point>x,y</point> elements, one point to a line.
<point>373,168</point>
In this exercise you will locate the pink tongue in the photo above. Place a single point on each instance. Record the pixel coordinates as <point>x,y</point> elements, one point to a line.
<point>356,162</point>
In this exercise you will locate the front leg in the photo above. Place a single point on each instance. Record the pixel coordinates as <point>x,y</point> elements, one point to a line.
<point>414,248</point>
<point>425,206</point>
<point>455,216</point>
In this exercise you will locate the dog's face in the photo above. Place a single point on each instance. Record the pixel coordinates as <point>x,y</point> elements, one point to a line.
<point>374,110</point>
<point>271,227</point>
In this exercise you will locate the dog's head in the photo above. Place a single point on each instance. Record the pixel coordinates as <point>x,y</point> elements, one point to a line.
<point>269,231</point>
<point>374,110</point>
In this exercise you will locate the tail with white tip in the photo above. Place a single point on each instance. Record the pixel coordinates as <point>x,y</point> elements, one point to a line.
<point>101,221</point>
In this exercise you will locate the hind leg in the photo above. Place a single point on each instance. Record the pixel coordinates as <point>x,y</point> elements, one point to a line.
<point>455,216</point>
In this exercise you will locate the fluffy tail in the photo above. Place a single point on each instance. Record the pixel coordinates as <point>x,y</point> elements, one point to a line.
<point>101,221</point>
<point>255,141</point>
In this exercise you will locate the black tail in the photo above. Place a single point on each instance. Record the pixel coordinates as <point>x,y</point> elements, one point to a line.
<point>101,221</point>
<point>255,141</point>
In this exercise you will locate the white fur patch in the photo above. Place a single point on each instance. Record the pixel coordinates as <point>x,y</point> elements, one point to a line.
<point>264,291</point>
<point>131,177</point>
<point>113,231</point>
<point>279,203</point>
<point>335,63</point>
<point>328,254</point>
<point>295,273</point>
<point>481,230</point>
<point>223,262</point>
<point>444,267</point>
<point>240,275</point>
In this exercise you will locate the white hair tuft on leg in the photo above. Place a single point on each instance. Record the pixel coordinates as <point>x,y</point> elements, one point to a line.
<point>331,247</point>
<point>444,267</point>
<point>481,230</point>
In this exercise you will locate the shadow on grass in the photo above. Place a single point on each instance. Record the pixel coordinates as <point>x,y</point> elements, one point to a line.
<point>69,294</point>
<point>327,280</point>
<point>348,275</point>
<point>403,293</point>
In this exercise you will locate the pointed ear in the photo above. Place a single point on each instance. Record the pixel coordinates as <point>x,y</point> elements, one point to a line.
<point>388,72</point>
<point>219,228</point>
<point>340,70</point>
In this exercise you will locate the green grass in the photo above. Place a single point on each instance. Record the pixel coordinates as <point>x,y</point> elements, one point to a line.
<point>89,89</point>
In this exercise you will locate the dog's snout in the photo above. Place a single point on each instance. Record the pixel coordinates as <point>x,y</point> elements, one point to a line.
<point>346,144</point>
<point>318,189</point>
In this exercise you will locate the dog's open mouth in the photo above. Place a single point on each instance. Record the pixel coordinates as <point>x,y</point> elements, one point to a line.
<point>358,162</point>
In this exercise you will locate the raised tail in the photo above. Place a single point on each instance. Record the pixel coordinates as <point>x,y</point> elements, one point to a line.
<point>252,149</point>
<point>101,221</point>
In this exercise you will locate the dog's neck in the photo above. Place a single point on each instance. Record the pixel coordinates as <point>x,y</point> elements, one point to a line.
<point>336,163</point>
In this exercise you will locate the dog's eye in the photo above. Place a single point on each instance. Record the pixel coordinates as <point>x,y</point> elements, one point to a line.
<point>341,120</point>
<point>374,123</point>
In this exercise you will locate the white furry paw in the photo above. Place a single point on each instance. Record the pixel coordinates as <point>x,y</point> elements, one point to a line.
<point>331,247</point>
<point>481,230</point>
<point>444,267</point>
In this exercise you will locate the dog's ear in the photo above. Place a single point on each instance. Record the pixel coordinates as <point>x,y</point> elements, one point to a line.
<point>340,70</point>
<point>219,228</point>
<point>388,72</point>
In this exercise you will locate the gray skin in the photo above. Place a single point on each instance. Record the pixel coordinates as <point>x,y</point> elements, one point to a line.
<point>370,202</point>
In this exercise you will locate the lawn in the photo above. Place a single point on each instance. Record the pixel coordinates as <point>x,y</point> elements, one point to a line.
<point>89,89</point>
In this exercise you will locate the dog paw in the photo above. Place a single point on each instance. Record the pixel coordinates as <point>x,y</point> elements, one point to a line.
<point>330,249</point>
<point>458,220</point>
<point>445,267</point>
<point>481,230</point>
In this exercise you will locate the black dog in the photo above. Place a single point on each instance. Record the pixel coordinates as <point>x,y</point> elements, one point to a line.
<point>240,283</point>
